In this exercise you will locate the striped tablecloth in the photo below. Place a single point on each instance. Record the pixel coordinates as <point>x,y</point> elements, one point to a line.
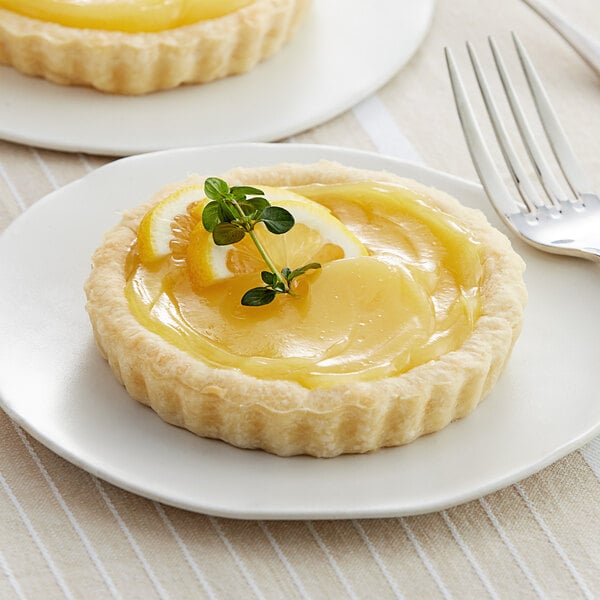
<point>65,533</point>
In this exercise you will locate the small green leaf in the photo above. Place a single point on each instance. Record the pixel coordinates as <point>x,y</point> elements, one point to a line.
<point>279,286</point>
<point>229,212</point>
<point>258,296</point>
<point>268,277</point>
<point>239,191</point>
<point>215,188</point>
<point>211,215</point>
<point>286,272</point>
<point>277,220</point>
<point>224,214</point>
<point>252,206</point>
<point>301,270</point>
<point>227,233</point>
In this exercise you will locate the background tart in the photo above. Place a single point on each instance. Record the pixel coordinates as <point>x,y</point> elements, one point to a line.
<point>282,416</point>
<point>138,63</point>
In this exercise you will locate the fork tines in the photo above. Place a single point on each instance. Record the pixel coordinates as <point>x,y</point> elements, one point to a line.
<point>554,195</point>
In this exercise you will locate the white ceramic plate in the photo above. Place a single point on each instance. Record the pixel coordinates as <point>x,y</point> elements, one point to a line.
<point>344,51</point>
<point>54,383</point>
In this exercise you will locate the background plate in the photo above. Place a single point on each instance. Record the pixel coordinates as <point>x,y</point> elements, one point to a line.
<point>54,383</point>
<point>344,51</point>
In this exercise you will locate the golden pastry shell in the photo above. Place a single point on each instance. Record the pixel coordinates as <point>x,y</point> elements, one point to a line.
<point>139,63</point>
<point>284,417</point>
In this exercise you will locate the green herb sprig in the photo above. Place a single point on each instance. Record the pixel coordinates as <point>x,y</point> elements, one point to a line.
<point>234,212</point>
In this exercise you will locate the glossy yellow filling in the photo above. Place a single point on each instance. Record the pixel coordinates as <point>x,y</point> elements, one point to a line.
<point>413,299</point>
<point>124,15</point>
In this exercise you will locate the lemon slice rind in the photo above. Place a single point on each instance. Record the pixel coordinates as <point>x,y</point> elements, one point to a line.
<point>154,233</point>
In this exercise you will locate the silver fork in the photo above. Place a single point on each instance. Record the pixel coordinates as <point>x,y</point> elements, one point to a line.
<point>554,221</point>
<point>586,46</point>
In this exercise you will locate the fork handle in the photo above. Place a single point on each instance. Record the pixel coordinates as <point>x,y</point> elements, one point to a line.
<point>586,46</point>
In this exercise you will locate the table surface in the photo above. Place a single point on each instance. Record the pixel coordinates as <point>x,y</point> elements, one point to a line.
<point>65,533</point>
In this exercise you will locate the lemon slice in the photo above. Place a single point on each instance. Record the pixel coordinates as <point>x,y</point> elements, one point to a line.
<point>155,233</point>
<point>317,236</point>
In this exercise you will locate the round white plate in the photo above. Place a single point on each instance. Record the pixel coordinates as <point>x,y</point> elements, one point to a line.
<point>55,384</point>
<point>345,50</point>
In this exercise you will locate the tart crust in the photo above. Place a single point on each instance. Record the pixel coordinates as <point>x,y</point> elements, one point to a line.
<point>284,417</point>
<point>139,63</point>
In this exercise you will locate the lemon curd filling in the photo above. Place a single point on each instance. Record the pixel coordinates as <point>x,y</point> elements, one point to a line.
<point>132,16</point>
<point>413,298</point>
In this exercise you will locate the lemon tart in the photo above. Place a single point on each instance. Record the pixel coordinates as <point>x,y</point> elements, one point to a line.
<point>141,46</point>
<point>405,326</point>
